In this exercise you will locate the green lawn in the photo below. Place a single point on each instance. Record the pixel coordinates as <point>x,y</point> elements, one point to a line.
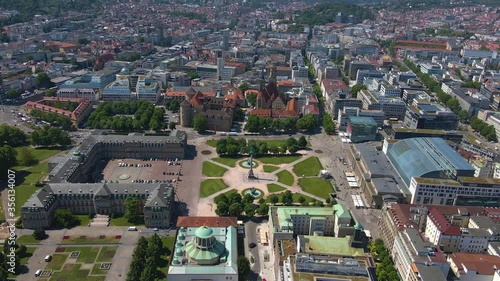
<point>91,240</point>
<point>211,186</point>
<point>295,198</point>
<point>84,220</point>
<point>106,254</point>
<point>212,143</point>
<point>122,221</point>
<point>227,193</point>
<point>72,272</point>
<point>270,168</point>
<point>316,187</point>
<point>57,261</point>
<point>285,177</point>
<point>278,142</point>
<point>168,243</point>
<point>87,254</point>
<point>23,193</point>
<point>309,167</point>
<point>27,239</point>
<point>40,154</point>
<point>231,162</point>
<point>277,160</point>
<point>274,187</point>
<point>212,170</point>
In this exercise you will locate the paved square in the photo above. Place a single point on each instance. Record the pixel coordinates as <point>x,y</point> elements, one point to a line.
<point>135,169</point>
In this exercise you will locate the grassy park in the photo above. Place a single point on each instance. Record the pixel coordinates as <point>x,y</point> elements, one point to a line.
<point>212,170</point>
<point>230,162</point>
<point>270,168</point>
<point>280,159</point>
<point>309,167</point>
<point>285,177</point>
<point>315,186</point>
<point>274,187</point>
<point>211,186</point>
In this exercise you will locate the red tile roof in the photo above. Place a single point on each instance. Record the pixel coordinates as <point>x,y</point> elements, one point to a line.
<point>442,224</point>
<point>207,221</point>
<point>481,263</point>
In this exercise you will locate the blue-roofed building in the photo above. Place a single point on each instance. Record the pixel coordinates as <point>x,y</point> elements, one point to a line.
<point>96,81</point>
<point>118,90</point>
<point>426,158</point>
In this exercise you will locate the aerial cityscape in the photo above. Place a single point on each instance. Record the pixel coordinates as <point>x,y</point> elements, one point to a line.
<point>250,140</point>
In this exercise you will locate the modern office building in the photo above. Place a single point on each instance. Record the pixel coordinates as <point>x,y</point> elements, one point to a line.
<point>426,158</point>
<point>422,114</point>
<point>204,253</point>
<point>464,191</point>
<point>96,81</point>
<point>148,89</point>
<point>343,117</point>
<point>361,129</point>
<point>393,107</point>
<point>118,90</point>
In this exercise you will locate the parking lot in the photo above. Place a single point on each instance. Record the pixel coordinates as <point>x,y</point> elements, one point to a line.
<point>161,170</point>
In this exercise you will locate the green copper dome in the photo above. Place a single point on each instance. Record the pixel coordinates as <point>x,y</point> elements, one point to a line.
<point>204,232</point>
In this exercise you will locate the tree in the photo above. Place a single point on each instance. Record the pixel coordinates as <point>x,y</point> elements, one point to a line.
<point>138,260</point>
<point>356,88</point>
<point>221,149</point>
<point>232,150</point>
<point>253,124</point>
<point>302,142</point>
<point>287,198</point>
<point>65,218</point>
<point>39,234</point>
<point>283,149</point>
<point>26,157</point>
<point>171,125</point>
<point>291,141</point>
<point>222,209</point>
<point>263,209</point>
<point>249,210</point>
<point>193,74</point>
<point>274,149</point>
<point>243,266</point>
<point>243,87</point>
<point>50,136</point>
<point>251,98</point>
<point>328,124</point>
<point>273,199</point>
<point>262,201</point>
<point>132,211</point>
<point>13,94</point>
<point>149,272</point>
<point>301,199</point>
<point>306,123</point>
<point>200,123</point>
<point>12,136</point>
<point>293,149</point>
<point>7,159</point>
<point>43,81</point>
<point>174,106</point>
<point>235,209</point>
<point>51,93</point>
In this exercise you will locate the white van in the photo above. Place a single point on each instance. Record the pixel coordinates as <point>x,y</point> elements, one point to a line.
<point>48,258</point>
<point>38,273</point>
<point>132,228</point>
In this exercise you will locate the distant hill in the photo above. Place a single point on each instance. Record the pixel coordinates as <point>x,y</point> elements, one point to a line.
<point>433,4</point>
<point>28,8</point>
<point>325,13</point>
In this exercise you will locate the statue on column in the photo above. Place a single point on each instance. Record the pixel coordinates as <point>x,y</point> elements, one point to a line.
<point>251,175</point>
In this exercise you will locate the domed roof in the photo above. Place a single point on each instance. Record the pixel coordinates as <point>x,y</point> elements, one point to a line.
<point>178,252</point>
<point>204,232</point>
<point>125,71</point>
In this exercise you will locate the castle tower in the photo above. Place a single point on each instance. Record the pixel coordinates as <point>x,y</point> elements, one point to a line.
<point>185,114</point>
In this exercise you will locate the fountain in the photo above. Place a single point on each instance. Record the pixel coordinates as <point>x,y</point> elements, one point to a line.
<point>254,192</point>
